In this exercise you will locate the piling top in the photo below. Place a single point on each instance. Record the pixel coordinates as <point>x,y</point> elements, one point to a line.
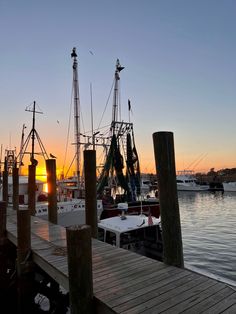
<point>162,132</point>
<point>77,227</point>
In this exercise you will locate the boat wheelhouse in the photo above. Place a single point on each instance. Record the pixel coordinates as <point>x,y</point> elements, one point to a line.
<point>138,233</point>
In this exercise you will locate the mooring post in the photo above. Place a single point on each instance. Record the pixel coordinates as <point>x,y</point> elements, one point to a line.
<point>24,265</point>
<point>52,190</point>
<point>4,253</point>
<point>52,202</point>
<point>79,248</point>
<point>15,179</point>
<point>91,190</point>
<point>3,222</point>
<point>5,183</point>
<point>168,198</point>
<point>31,189</point>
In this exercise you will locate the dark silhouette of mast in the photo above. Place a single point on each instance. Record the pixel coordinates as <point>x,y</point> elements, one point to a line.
<point>76,112</point>
<point>119,68</point>
<point>33,135</point>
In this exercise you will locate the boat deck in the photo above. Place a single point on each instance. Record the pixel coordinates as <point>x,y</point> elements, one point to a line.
<point>125,282</point>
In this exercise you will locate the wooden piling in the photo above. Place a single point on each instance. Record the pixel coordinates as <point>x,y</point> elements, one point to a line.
<point>167,191</point>
<point>52,190</point>
<point>5,183</point>
<point>15,181</point>
<point>23,235</point>
<point>31,189</point>
<point>4,254</point>
<point>80,269</point>
<point>3,221</point>
<point>91,190</point>
<point>24,265</point>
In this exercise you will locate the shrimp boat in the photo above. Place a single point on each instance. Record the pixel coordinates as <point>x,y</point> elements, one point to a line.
<point>71,194</point>
<point>120,179</point>
<point>74,207</point>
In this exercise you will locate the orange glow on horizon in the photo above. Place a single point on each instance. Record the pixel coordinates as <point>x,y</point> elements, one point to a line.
<point>147,164</point>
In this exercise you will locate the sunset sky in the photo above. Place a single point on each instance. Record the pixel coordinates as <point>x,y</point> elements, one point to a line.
<point>180,73</point>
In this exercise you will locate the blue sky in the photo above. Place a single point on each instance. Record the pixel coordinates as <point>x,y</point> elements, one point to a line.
<point>180,71</point>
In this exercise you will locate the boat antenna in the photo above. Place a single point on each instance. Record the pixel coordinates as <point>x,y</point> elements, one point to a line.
<point>76,111</point>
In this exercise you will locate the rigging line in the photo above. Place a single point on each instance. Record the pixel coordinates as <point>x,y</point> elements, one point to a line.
<point>70,165</point>
<point>68,131</point>
<point>192,164</point>
<point>119,99</point>
<point>82,120</point>
<point>204,156</point>
<point>96,129</point>
<point>106,103</point>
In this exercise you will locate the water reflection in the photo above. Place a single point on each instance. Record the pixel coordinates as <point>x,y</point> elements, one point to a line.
<point>208,230</point>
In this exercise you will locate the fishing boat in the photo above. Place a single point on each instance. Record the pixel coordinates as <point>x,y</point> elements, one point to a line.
<point>120,178</point>
<point>68,206</point>
<point>71,194</point>
<point>138,233</point>
<point>187,182</point>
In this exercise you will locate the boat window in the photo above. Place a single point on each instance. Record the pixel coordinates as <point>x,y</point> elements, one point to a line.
<point>101,233</point>
<point>131,237</point>
<point>110,237</point>
<point>179,181</point>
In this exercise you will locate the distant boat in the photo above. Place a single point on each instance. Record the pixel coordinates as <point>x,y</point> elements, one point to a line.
<point>229,186</point>
<point>187,182</point>
<point>145,185</point>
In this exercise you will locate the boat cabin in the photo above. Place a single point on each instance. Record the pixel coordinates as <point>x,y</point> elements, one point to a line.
<point>138,233</point>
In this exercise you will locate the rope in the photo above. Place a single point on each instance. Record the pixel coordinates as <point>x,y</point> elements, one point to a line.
<point>106,103</point>
<point>68,131</point>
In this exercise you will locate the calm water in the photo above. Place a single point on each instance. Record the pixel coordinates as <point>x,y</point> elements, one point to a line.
<point>208,224</point>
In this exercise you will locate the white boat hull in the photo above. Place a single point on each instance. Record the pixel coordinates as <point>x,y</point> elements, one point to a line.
<point>229,186</point>
<point>197,188</point>
<point>68,213</point>
<point>187,182</point>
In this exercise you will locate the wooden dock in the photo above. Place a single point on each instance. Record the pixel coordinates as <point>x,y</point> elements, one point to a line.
<point>124,282</point>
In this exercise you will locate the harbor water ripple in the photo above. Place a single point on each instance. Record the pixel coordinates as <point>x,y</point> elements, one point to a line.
<point>208,222</point>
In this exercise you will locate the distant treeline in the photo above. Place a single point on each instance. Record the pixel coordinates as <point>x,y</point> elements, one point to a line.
<point>222,175</point>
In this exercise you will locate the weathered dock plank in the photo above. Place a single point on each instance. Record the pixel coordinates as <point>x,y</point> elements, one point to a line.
<point>125,282</point>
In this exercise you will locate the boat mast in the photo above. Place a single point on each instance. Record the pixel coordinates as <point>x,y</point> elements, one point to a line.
<point>116,96</point>
<point>21,148</point>
<point>33,135</point>
<point>76,112</point>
